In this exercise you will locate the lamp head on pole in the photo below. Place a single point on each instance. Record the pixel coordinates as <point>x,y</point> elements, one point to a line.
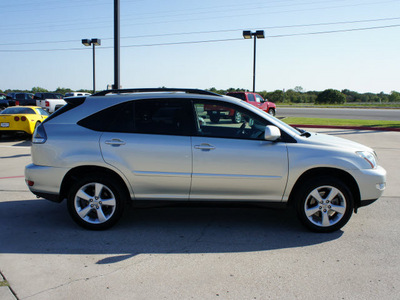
<point>96,42</point>
<point>260,34</point>
<point>247,34</point>
<point>86,42</point>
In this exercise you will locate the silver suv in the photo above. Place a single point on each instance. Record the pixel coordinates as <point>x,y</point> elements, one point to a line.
<point>100,151</point>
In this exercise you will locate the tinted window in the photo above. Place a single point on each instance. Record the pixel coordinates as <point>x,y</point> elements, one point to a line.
<point>241,96</point>
<point>18,110</point>
<point>164,116</point>
<point>251,97</point>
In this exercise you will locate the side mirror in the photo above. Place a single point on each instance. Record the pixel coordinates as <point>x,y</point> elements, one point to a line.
<point>272,133</point>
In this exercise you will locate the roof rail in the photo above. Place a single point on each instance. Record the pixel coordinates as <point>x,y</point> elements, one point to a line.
<point>148,90</point>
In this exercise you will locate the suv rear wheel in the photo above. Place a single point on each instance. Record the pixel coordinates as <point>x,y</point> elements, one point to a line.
<point>325,204</point>
<point>96,202</point>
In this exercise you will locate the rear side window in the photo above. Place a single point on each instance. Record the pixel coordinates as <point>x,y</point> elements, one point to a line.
<point>238,95</point>
<point>251,97</point>
<point>161,116</point>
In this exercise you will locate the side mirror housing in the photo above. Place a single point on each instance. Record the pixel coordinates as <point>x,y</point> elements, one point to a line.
<point>272,133</point>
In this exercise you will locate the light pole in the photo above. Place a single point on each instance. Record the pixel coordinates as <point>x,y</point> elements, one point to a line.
<point>259,34</point>
<point>117,83</point>
<point>94,42</point>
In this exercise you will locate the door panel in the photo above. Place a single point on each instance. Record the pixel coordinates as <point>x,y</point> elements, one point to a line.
<point>238,170</point>
<point>157,166</point>
<point>233,162</point>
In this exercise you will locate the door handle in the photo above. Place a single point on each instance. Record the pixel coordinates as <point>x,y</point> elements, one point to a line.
<point>206,147</point>
<point>115,142</point>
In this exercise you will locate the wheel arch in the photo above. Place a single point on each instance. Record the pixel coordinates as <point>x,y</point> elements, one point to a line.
<point>339,174</point>
<point>74,174</point>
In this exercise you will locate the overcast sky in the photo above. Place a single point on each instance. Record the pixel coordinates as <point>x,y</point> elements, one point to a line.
<point>340,44</point>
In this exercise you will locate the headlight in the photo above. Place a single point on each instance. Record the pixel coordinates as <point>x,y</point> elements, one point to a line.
<point>368,157</point>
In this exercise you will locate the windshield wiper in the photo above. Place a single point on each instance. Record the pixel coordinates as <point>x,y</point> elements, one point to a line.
<point>303,132</point>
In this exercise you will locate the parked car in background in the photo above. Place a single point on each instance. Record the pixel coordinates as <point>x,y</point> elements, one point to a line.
<point>256,100</point>
<point>21,119</point>
<point>49,101</point>
<point>216,114</point>
<point>76,94</point>
<point>6,101</point>
<point>101,151</point>
<point>24,99</point>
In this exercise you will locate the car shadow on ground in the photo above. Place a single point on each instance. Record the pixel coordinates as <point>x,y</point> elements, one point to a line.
<point>42,227</point>
<point>16,139</point>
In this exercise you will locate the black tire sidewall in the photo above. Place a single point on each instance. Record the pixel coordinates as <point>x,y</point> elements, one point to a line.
<point>312,184</point>
<point>113,185</point>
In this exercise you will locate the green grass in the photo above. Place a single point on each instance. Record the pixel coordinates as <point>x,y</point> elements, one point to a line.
<point>346,105</point>
<point>4,283</point>
<point>342,122</point>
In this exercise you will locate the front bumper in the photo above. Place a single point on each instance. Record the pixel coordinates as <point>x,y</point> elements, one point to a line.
<point>371,183</point>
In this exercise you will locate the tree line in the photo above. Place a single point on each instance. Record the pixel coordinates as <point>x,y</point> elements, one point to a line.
<point>37,89</point>
<point>296,95</point>
<point>329,96</point>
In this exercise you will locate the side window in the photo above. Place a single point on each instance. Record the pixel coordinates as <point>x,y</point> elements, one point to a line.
<point>251,97</point>
<point>117,118</point>
<point>224,120</point>
<point>164,116</point>
<point>259,99</point>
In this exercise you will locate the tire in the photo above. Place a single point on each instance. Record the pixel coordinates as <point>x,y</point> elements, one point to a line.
<point>237,117</point>
<point>96,202</point>
<point>271,111</point>
<point>324,204</point>
<point>215,116</point>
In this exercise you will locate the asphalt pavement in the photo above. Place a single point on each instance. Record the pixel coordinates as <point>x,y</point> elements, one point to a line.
<point>339,113</point>
<point>197,253</point>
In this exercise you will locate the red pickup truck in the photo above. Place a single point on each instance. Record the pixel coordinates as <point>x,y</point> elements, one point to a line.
<point>251,98</point>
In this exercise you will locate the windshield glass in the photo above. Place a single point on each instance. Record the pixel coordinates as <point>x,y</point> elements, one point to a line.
<point>18,110</point>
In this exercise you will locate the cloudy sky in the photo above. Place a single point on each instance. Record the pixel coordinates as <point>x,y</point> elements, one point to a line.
<point>341,44</point>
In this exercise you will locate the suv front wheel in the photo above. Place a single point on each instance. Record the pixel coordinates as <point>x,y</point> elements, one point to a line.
<point>96,202</point>
<point>325,204</point>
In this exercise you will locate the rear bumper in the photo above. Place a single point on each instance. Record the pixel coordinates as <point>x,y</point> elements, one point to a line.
<point>45,181</point>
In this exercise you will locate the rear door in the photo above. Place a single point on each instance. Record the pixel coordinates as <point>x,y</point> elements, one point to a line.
<point>149,141</point>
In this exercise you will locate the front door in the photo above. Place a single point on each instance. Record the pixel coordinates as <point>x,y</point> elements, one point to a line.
<point>233,162</point>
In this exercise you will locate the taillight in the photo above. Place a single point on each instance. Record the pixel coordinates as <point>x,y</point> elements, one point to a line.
<point>39,135</point>
<point>23,118</point>
<point>16,102</point>
<point>16,118</point>
<point>47,104</point>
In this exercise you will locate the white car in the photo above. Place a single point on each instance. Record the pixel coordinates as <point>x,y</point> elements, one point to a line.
<point>99,152</point>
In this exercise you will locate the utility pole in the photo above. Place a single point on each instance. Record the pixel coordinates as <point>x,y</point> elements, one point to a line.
<point>116,45</point>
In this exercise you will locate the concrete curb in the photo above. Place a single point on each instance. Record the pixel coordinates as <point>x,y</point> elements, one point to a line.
<point>348,127</point>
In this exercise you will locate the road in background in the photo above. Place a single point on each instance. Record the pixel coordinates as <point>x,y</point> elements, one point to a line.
<point>201,252</point>
<point>339,113</point>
